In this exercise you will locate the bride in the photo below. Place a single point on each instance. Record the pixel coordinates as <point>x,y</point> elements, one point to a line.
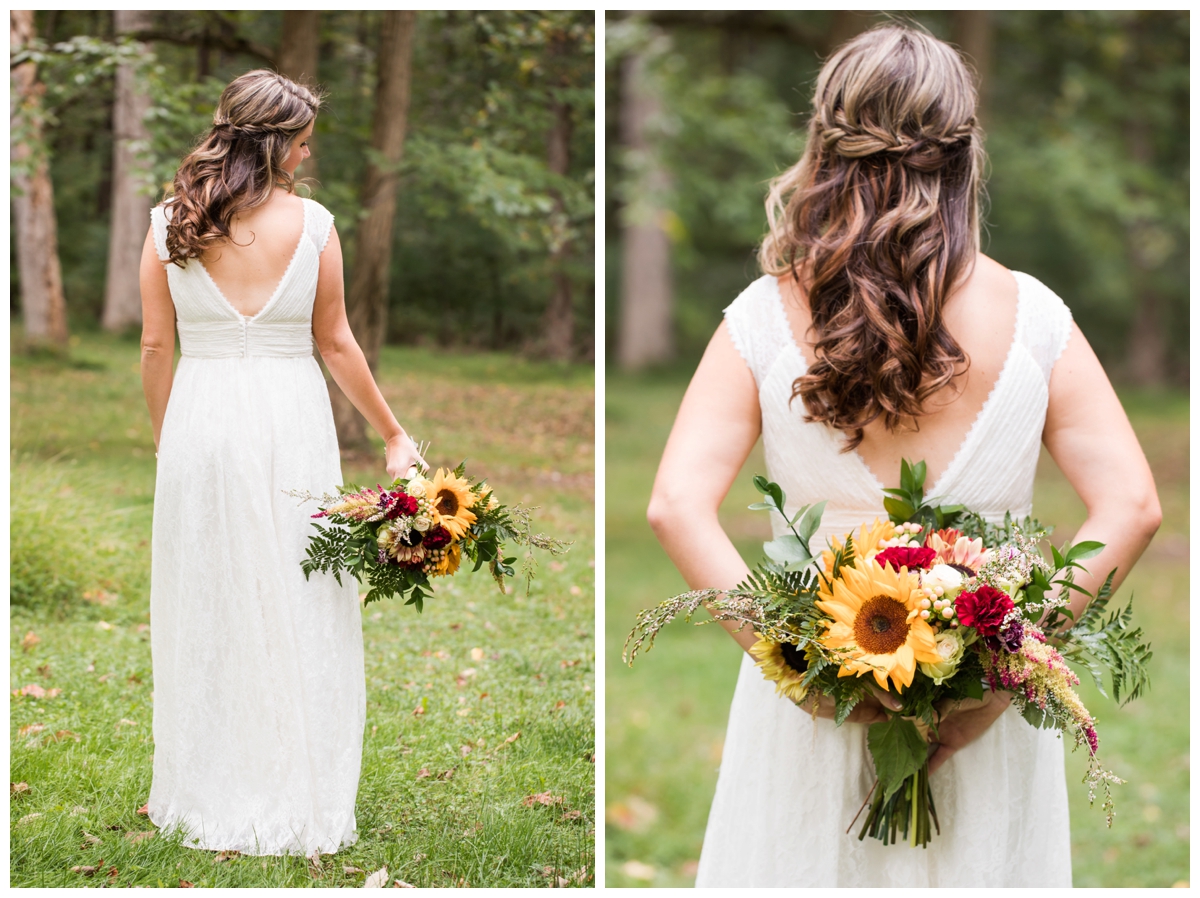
<point>880,332</point>
<point>259,695</point>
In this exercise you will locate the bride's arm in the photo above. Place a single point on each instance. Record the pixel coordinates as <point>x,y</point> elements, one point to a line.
<point>717,426</point>
<point>346,363</point>
<point>1091,440</point>
<point>158,335</point>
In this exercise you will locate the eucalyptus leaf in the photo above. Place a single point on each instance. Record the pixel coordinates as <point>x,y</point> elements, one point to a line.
<point>787,549</point>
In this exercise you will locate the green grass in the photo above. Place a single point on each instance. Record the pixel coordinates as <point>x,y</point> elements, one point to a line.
<point>82,493</point>
<point>665,718</point>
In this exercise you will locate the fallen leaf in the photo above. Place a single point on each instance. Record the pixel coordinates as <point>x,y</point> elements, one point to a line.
<point>350,871</point>
<point>144,810</point>
<point>134,679</point>
<point>377,879</point>
<point>544,798</point>
<point>639,870</point>
<point>477,654</point>
<point>86,871</point>
<point>465,750</point>
<point>440,655</point>
<point>103,678</point>
<point>419,710</point>
<point>100,597</point>
<point>30,729</point>
<point>104,625</point>
<point>77,810</point>
<point>44,670</point>
<point>63,734</point>
<point>33,690</point>
<point>464,712</point>
<point>126,722</point>
<point>184,884</point>
<point>456,626</point>
<point>401,884</point>
<point>571,815</point>
<point>565,664</point>
<point>559,705</point>
<point>446,774</point>
<point>89,840</point>
<point>513,738</point>
<point>28,818</point>
<point>576,591</point>
<point>112,873</point>
<point>423,772</point>
<point>419,856</point>
<point>53,693</point>
<point>471,830</point>
<point>143,628</point>
<point>136,837</point>
<point>634,814</point>
<point>31,639</point>
<point>17,788</point>
<point>91,668</point>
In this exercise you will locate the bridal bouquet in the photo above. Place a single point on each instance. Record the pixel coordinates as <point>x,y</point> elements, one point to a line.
<point>933,605</point>
<point>395,539</point>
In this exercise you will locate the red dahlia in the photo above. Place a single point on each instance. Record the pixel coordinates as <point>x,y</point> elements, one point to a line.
<point>436,538</point>
<point>984,609</point>
<point>904,556</point>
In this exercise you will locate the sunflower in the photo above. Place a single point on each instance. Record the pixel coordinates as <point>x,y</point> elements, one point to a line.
<point>877,623</point>
<point>452,497</point>
<point>870,540</point>
<point>778,662</point>
<point>448,560</point>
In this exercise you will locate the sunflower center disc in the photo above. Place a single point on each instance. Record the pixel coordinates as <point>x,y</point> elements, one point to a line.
<point>881,625</point>
<point>447,503</point>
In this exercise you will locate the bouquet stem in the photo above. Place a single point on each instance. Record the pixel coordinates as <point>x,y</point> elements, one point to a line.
<point>905,814</point>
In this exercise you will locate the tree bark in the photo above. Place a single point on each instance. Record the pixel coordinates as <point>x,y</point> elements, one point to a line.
<point>972,32</point>
<point>43,306</point>
<point>299,44</point>
<point>645,336</point>
<point>559,319</point>
<point>130,204</point>
<point>367,298</point>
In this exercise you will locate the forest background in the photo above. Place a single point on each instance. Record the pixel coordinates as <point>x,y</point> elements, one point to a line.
<point>1086,120</point>
<point>467,137</point>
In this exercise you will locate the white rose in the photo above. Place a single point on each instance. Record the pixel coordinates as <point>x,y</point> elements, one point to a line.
<point>950,580</point>
<point>950,648</point>
<point>421,523</point>
<point>416,488</point>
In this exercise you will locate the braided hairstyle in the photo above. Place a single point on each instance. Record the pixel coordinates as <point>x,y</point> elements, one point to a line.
<point>238,164</point>
<point>878,222</point>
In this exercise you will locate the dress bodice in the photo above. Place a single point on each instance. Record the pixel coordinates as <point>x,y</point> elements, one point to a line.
<point>991,472</point>
<point>211,328</point>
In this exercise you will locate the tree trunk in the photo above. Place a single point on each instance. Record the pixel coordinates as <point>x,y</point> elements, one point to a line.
<point>43,307</point>
<point>972,32</point>
<point>559,319</point>
<point>645,328</point>
<point>367,298</point>
<point>130,204</point>
<point>299,44</point>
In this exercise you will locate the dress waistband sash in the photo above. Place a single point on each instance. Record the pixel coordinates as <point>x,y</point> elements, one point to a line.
<point>245,338</point>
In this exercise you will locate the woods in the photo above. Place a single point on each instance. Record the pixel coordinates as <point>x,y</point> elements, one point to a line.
<point>1086,121</point>
<point>455,150</point>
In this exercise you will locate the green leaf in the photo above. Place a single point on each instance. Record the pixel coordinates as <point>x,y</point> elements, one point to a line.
<point>974,688</point>
<point>810,522</point>
<point>761,506</point>
<point>1083,550</point>
<point>787,549</point>
<point>898,751</point>
<point>898,510</point>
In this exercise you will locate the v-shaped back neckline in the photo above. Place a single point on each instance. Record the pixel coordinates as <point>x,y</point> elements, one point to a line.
<point>278,286</point>
<point>935,492</point>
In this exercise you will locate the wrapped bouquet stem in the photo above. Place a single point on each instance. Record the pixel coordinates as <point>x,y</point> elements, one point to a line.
<point>934,606</point>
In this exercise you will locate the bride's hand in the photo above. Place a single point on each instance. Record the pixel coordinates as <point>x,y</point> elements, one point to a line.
<point>870,710</point>
<point>963,722</point>
<point>402,456</point>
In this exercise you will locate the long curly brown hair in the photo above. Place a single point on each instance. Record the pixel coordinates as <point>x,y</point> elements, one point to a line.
<point>878,222</point>
<point>239,162</point>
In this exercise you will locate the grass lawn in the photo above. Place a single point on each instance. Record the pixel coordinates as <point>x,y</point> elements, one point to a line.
<point>505,681</point>
<point>665,718</point>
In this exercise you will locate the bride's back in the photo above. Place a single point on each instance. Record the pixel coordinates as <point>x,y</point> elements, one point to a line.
<point>981,316</point>
<point>248,267</point>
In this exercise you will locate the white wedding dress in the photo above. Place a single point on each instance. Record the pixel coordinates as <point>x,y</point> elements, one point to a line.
<point>789,785</point>
<point>259,694</point>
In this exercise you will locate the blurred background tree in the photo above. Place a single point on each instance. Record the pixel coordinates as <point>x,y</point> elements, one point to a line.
<point>455,149</point>
<point>1086,115</point>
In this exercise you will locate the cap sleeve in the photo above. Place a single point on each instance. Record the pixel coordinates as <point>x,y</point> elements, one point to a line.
<point>758,326</point>
<point>320,224</point>
<point>158,227</point>
<point>1047,324</point>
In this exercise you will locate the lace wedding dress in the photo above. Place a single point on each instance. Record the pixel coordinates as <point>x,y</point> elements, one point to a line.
<point>259,695</point>
<point>789,785</point>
